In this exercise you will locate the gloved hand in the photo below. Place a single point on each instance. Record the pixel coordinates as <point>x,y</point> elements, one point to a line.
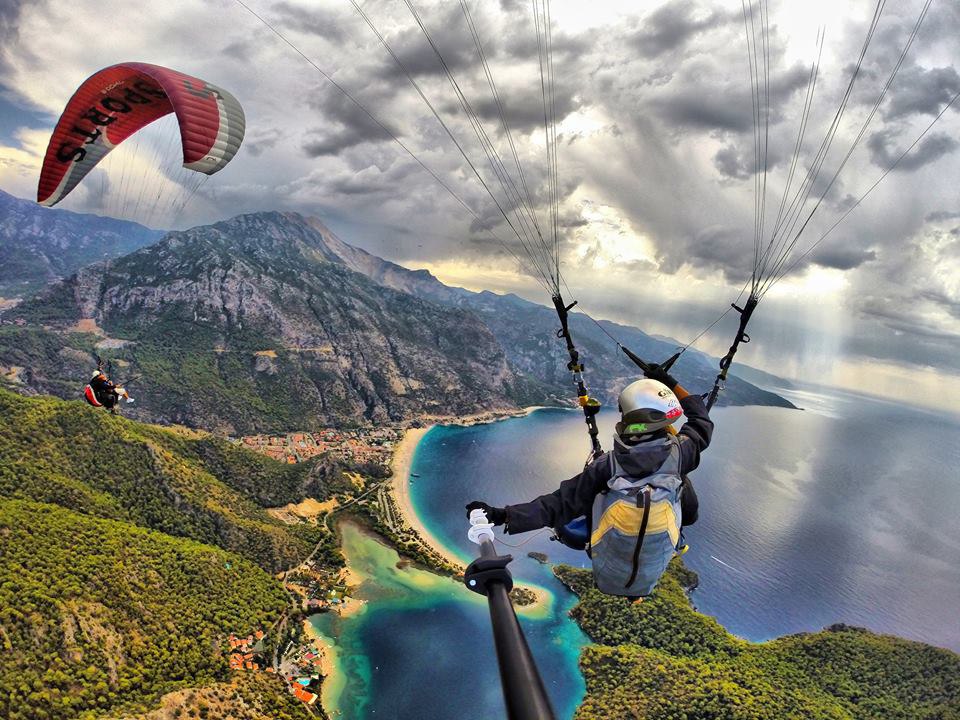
<point>496,515</point>
<point>658,373</point>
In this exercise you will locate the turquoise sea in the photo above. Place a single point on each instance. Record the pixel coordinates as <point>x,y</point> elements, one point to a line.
<point>845,511</point>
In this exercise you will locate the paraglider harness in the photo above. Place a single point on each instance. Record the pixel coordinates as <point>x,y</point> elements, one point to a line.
<point>576,534</point>
<point>98,399</point>
<point>90,395</point>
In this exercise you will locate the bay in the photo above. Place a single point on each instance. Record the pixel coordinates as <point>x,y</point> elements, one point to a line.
<point>842,512</point>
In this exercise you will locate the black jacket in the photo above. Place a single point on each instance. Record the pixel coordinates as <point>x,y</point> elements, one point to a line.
<point>102,388</point>
<point>575,496</point>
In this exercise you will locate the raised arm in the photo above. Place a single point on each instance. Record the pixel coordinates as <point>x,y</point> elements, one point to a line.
<point>695,434</point>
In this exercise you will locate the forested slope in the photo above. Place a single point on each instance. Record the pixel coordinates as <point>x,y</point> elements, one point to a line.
<point>99,615</point>
<point>180,482</point>
<point>662,660</point>
<point>128,554</point>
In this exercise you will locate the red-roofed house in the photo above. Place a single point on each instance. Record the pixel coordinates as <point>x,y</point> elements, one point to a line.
<point>306,696</point>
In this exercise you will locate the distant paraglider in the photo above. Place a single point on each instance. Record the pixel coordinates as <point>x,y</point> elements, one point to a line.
<point>120,100</point>
<point>102,392</point>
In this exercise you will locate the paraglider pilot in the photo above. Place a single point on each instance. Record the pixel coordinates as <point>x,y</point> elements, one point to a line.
<point>106,393</point>
<point>636,498</point>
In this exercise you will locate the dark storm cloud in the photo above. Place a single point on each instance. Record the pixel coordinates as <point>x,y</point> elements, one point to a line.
<point>525,115</point>
<point>9,18</point>
<point>841,257</point>
<point>712,248</point>
<point>739,164</point>
<point>941,24</point>
<point>945,301</point>
<point>905,322</point>
<point>448,30</point>
<point>694,110</point>
<point>909,291</point>
<point>941,216</point>
<point>921,91</point>
<point>355,185</point>
<point>566,47</point>
<point>327,142</point>
<point>10,24</point>
<point>571,221</point>
<point>728,161</point>
<point>672,26</point>
<point>345,126</point>
<point>697,102</point>
<point>239,49</point>
<point>886,342</point>
<point>315,21</point>
<point>930,149</point>
<point>259,141</point>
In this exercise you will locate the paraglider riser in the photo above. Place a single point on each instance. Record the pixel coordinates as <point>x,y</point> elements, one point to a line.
<point>590,408</point>
<point>746,312</point>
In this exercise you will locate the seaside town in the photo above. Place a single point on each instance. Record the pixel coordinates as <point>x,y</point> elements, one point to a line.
<point>301,665</point>
<point>357,445</point>
<point>301,660</point>
<point>314,588</point>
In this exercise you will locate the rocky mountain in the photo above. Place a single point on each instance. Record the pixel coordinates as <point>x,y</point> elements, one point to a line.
<point>256,323</point>
<point>527,330</point>
<point>270,321</point>
<point>39,245</point>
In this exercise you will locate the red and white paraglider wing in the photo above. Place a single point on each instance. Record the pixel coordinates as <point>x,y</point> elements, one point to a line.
<point>117,101</point>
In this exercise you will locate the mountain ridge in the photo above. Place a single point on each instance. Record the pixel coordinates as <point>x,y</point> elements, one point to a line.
<point>269,321</point>
<point>39,245</point>
<point>227,318</point>
<point>513,320</point>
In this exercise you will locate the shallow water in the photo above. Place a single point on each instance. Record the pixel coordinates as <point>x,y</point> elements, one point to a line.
<point>423,648</point>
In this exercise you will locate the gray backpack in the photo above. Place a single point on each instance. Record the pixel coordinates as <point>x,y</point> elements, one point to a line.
<point>636,526</point>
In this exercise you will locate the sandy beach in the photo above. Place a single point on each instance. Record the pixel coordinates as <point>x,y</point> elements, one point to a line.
<point>334,678</point>
<point>400,466</point>
<point>400,480</point>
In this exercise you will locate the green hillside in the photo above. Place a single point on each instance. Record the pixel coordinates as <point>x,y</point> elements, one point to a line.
<point>99,615</point>
<point>662,660</point>
<point>180,482</point>
<point>128,553</point>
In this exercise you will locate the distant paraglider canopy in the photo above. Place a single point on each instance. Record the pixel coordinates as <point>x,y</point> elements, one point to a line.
<point>117,102</point>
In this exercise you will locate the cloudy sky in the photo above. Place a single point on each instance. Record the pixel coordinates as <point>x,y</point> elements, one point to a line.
<point>656,161</point>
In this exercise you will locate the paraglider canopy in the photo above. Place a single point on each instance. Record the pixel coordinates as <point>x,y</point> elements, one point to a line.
<point>114,103</point>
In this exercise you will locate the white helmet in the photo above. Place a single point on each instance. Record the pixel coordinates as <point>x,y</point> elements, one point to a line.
<point>647,406</point>
<point>96,373</point>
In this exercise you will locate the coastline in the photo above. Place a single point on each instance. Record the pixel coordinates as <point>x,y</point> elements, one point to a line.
<point>334,676</point>
<point>400,484</point>
<point>401,463</point>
